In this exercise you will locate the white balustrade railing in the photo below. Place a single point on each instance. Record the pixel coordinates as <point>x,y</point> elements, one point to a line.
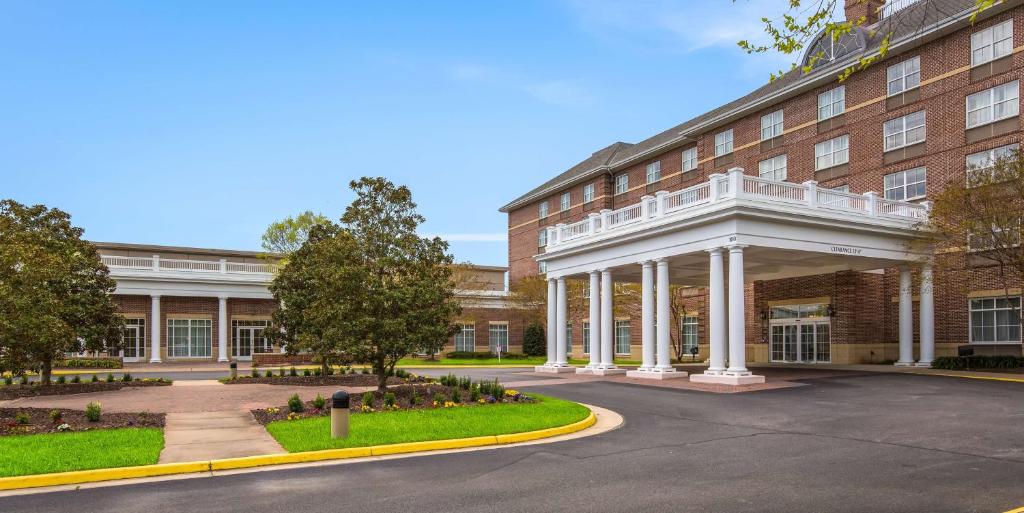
<point>158,264</point>
<point>736,186</point>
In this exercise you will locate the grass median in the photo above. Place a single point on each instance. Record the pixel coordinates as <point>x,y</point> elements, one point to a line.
<point>22,455</point>
<point>382,428</point>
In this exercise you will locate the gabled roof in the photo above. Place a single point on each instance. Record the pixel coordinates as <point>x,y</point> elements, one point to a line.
<point>913,26</point>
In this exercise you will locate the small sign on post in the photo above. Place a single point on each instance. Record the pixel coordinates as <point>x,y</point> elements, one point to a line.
<point>234,370</point>
<point>339,414</point>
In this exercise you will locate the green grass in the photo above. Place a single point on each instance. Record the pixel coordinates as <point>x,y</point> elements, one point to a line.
<point>366,429</point>
<point>22,455</point>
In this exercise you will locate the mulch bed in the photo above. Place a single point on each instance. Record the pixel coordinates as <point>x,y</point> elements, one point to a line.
<point>15,391</point>
<point>40,421</point>
<point>427,393</point>
<point>345,380</point>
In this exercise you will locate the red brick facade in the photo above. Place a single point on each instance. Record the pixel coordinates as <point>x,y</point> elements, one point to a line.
<point>865,311</point>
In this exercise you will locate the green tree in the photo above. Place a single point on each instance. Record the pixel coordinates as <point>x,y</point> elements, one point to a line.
<point>287,235</point>
<point>407,299</point>
<point>800,25</point>
<point>535,340</point>
<point>54,290</point>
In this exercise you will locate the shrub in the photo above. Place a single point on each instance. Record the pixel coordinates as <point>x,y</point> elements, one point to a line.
<point>22,418</point>
<point>306,372</point>
<point>76,379</point>
<point>535,340</point>
<point>55,415</point>
<point>126,377</point>
<point>61,380</point>
<point>319,402</point>
<point>255,372</point>
<point>483,355</point>
<point>402,373</point>
<point>977,362</point>
<point>95,378</point>
<point>295,404</point>
<point>368,399</point>
<point>456,396</point>
<point>318,372</point>
<point>465,382</point>
<point>492,388</point>
<point>88,363</point>
<point>293,372</point>
<point>389,399</point>
<point>330,370</point>
<point>269,373</point>
<point>280,371</point>
<point>92,411</point>
<point>110,378</point>
<point>415,398</point>
<point>474,394</point>
<point>8,380</point>
<point>23,380</point>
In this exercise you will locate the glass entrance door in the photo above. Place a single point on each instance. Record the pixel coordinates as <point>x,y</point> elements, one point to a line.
<point>801,341</point>
<point>133,340</point>
<point>247,338</point>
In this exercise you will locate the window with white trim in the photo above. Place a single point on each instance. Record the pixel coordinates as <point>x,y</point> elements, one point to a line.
<point>831,103</point>
<point>621,183</point>
<point>991,105</point>
<point>984,161</point>
<point>653,172</point>
<point>995,237</point>
<point>565,202</point>
<point>497,338</point>
<point>542,267</point>
<point>771,125</point>
<point>586,337</point>
<point>906,185</point>
<point>832,152</point>
<point>568,338</point>
<point>992,43</point>
<point>465,338</point>
<point>842,188</point>
<point>723,143</point>
<point>622,337</point>
<point>995,320</point>
<point>542,209</point>
<point>773,168</point>
<point>588,193</point>
<point>189,338</point>
<point>542,238</point>
<point>904,131</point>
<point>690,159</point>
<point>688,332</point>
<point>904,76</point>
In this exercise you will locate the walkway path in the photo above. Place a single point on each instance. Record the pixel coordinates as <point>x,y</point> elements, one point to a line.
<point>196,436</point>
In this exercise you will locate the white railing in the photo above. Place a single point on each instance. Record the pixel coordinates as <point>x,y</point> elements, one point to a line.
<point>157,264</point>
<point>737,186</point>
<point>892,6</point>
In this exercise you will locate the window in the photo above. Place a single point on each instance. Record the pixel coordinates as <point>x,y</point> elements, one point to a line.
<point>542,267</point>
<point>189,338</point>
<point>465,338</point>
<point>983,162</point>
<point>690,159</point>
<point>832,152</point>
<point>621,184</point>
<point>995,320</point>
<point>992,43</point>
<point>653,172</point>
<point>992,105</point>
<point>542,238</point>
<point>723,143</point>
<point>542,209</point>
<point>996,237</point>
<point>688,332</point>
<point>588,193</point>
<point>831,103</point>
<point>498,339</point>
<point>773,168</point>
<point>904,76</point>
<point>568,338</point>
<point>565,201</point>
<point>586,338</point>
<point>842,188</point>
<point>622,337</point>
<point>133,338</point>
<point>247,337</point>
<point>771,125</point>
<point>904,131</point>
<point>905,185</point>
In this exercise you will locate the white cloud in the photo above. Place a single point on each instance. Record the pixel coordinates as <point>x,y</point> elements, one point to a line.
<point>562,92</point>
<point>470,237</point>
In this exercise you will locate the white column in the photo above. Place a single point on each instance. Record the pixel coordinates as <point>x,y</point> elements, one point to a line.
<point>222,330</point>
<point>647,315</point>
<point>716,326</point>
<point>561,320</point>
<point>595,319</point>
<point>906,319</point>
<point>927,315</point>
<point>552,322</point>
<point>737,318</point>
<point>157,328</point>
<point>664,318</point>
<point>607,321</point>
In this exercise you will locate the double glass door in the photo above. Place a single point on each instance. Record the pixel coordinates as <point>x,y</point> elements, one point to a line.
<point>133,340</point>
<point>801,341</point>
<point>248,339</point>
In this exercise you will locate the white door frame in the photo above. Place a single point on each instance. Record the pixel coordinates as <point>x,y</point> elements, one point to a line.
<point>140,344</point>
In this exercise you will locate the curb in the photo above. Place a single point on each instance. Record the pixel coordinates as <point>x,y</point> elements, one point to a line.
<point>111,474</point>
<point>968,376</point>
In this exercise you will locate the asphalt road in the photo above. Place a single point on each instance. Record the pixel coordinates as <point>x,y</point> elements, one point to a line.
<point>857,443</point>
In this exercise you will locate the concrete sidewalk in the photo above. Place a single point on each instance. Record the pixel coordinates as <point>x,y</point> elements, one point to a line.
<point>197,436</point>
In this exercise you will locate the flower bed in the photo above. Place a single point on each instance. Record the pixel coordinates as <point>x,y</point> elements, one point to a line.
<point>30,421</point>
<point>16,390</point>
<point>347,380</point>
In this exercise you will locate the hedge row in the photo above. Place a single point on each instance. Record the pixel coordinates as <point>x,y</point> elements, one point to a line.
<point>483,355</point>
<point>88,363</point>
<point>977,362</point>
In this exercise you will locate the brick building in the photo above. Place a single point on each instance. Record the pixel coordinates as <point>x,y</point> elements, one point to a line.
<point>860,157</point>
<point>193,304</point>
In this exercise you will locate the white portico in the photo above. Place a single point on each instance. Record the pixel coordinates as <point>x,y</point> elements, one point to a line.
<point>723,233</point>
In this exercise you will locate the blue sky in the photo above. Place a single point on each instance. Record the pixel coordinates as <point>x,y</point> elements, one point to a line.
<point>198,123</point>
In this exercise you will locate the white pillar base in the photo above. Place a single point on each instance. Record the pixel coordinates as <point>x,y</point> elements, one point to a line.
<point>905,364</point>
<point>725,379</point>
<point>654,374</point>
<point>553,369</point>
<point>608,371</point>
<point>923,365</point>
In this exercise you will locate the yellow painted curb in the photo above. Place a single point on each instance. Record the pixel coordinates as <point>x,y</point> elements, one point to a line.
<point>986,378</point>
<point>1018,510</point>
<point>111,474</point>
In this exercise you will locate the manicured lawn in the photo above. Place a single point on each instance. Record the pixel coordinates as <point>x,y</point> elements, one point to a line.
<point>366,429</point>
<point>61,452</point>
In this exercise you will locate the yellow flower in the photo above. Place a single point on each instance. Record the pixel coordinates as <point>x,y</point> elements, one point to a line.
<point>511,392</point>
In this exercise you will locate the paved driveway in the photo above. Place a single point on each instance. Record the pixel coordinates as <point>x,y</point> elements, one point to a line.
<point>858,443</point>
